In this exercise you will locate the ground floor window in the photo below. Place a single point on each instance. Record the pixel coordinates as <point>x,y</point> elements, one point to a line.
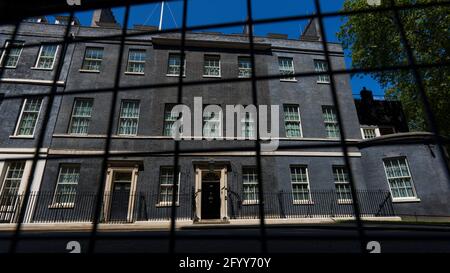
<point>166,176</point>
<point>66,186</point>
<point>342,184</point>
<point>300,184</point>
<point>399,178</point>
<point>11,182</point>
<point>250,185</point>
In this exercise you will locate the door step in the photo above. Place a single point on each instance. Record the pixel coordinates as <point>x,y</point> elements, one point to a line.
<point>212,221</point>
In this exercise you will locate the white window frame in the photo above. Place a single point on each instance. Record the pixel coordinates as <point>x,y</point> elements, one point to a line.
<point>375,128</point>
<point>294,200</point>
<point>72,116</point>
<point>136,118</point>
<point>299,121</point>
<point>346,183</point>
<point>179,67</point>
<point>40,54</point>
<point>19,121</point>
<point>162,203</point>
<point>246,69</point>
<point>58,183</point>
<point>217,57</point>
<point>254,185</point>
<point>248,125</point>
<point>2,58</point>
<point>322,66</point>
<point>283,71</point>
<point>127,71</point>
<point>4,176</point>
<point>90,59</point>
<point>401,199</point>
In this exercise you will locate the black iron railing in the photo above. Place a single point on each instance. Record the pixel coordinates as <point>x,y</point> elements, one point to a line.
<point>144,206</point>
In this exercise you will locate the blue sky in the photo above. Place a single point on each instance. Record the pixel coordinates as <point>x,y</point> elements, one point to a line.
<point>202,12</point>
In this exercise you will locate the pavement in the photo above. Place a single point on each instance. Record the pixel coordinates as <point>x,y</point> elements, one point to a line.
<point>308,238</point>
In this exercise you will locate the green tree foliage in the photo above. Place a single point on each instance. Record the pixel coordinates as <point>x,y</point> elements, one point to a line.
<point>374,41</point>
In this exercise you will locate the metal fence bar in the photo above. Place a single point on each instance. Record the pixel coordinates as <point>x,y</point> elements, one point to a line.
<point>40,139</point>
<point>359,224</point>
<point>101,189</point>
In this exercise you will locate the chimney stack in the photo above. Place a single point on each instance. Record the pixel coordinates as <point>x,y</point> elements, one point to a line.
<point>104,18</point>
<point>366,95</point>
<point>312,31</point>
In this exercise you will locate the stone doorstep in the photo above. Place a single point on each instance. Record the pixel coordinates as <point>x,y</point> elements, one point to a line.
<point>164,225</point>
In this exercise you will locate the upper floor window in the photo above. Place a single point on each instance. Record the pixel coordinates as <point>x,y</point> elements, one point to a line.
<point>300,184</point>
<point>331,122</point>
<point>370,132</point>
<point>169,120</point>
<point>81,116</point>
<point>211,66</point>
<point>399,178</point>
<point>286,67</point>
<point>174,65</point>
<point>9,189</point>
<point>65,190</point>
<point>322,66</point>
<point>11,54</point>
<point>92,59</point>
<point>166,183</point>
<point>212,124</point>
<point>28,117</point>
<point>292,121</point>
<point>129,118</point>
<point>250,185</point>
<point>248,129</point>
<point>47,56</point>
<point>245,67</point>
<point>342,184</point>
<point>136,61</point>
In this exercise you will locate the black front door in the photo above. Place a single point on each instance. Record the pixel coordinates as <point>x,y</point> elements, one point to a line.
<point>211,200</point>
<point>119,202</point>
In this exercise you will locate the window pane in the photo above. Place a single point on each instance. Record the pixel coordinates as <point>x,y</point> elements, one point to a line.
<point>129,117</point>
<point>331,123</point>
<point>211,66</point>
<point>81,116</point>
<point>245,67</point>
<point>322,66</point>
<point>47,56</point>
<point>65,191</point>
<point>11,54</point>
<point>174,65</point>
<point>136,61</point>
<point>29,116</point>
<point>92,59</point>
<point>286,67</point>
<point>399,178</point>
<point>300,184</point>
<point>250,184</point>
<point>11,182</point>
<point>292,121</point>
<point>166,177</point>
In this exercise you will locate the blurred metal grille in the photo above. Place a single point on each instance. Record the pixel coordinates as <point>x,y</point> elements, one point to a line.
<point>14,12</point>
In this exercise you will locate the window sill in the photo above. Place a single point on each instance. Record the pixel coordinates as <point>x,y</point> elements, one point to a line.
<point>62,206</point>
<point>174,75</point>
<point>21,137</point>
<point>285,80</point>
<point>211,76</point>
<point>406,200</point>
<point>135,73</point>
<point>306,202</point>
<point>166,204</point>
<point>318,82</point>
<point>8,67</point>
<point>344,202</point>
<point>37,68</point>
<point>89,71</point>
